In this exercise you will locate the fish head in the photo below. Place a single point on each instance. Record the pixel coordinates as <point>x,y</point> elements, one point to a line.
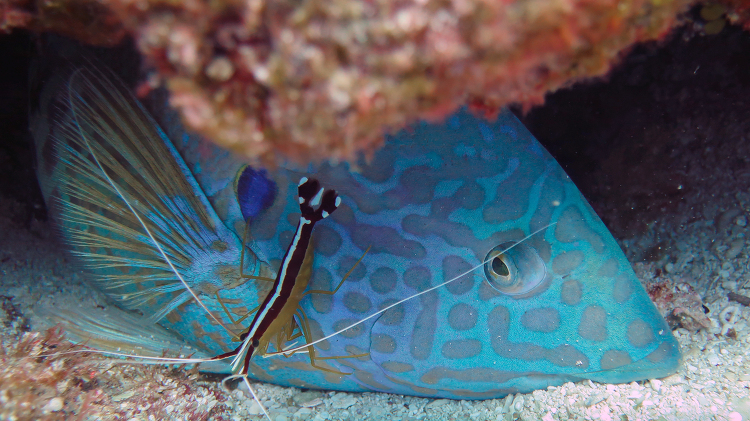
<point>537,291</point>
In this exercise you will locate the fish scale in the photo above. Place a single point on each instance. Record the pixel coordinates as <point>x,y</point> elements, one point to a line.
<point>436,201</point>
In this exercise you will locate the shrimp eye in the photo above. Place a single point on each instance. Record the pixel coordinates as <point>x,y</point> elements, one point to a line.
<point>256,343</point>
<point>517,270</point>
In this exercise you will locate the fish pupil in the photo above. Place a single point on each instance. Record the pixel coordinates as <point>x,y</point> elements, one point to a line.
<point>499,267</point>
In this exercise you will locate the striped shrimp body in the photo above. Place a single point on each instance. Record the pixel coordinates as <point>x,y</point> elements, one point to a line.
<point>276,313</point>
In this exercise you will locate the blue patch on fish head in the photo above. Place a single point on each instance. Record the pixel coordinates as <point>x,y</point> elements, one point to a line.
<point>255,191</point>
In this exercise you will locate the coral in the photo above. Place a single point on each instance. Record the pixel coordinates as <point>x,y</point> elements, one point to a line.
<point>86,20</point>
<point>737,11</point>
<point>728,319</point>
<point>13,316</point>
<point>45,377</point>
<point>675,299</point>
<point>680,305</point>
<point>168,394</point>
<point>39,381</point>
<point>314,79</point>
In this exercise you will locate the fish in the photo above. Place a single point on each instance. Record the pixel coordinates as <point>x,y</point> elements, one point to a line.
<point>469,265</point>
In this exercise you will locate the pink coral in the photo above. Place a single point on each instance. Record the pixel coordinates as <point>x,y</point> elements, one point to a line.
<point>45,377</point>
<point>325,79</point>
<point>42,378</point>
<point>86,20</point>
<point>675,299</point>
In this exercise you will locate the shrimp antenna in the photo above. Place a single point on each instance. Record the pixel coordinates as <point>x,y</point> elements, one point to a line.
<point>293,350</point>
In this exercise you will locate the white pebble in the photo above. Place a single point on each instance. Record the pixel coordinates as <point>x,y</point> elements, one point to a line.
<point>673,379</point>
<point>596,399</point>
<point>303,412</point>
<point>322,416</point>
<point>729,285</point>
<point>713,359</point>
<point>735,416</point>
<point>437,403</point>
<point>507,403</point>
<point>254,408</point>
<point>635,395</point>
<point>220,69</point>
<point>54,405</point>
<point>342,401</point>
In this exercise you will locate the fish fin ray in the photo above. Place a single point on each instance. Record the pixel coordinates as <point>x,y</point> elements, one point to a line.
<point>117,183</point>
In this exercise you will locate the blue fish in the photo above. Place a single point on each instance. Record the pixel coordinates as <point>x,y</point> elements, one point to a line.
<point>191,238</point>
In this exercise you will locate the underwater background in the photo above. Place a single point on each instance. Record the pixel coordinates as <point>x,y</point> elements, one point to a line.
<point>659,149</point>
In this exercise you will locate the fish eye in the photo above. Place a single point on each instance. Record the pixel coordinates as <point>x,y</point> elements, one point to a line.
<point>517,271</point>
<point>499,267</point>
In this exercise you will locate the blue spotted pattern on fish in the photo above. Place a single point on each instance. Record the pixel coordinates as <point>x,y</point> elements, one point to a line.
<point>436,201</point>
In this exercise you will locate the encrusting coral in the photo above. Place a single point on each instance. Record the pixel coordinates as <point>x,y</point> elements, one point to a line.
<point>44,377</point>
<point>40,380</point>
<point>325,79</point>
<point>675,298</point>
